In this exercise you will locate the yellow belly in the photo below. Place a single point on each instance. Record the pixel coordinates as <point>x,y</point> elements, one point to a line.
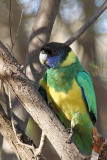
<point>68,102</point>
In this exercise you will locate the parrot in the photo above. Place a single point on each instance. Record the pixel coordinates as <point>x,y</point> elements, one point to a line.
<point>68,89</point>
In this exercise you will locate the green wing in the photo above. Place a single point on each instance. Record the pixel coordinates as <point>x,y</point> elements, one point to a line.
<point>85,82</point>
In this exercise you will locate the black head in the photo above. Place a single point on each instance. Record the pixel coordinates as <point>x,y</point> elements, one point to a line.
<point>53,54</point>
<point>53,49</point>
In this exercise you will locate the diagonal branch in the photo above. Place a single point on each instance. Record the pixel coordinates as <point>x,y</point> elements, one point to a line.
<point>40,33</point>
<point>90,21</point>
<point>35,105</point>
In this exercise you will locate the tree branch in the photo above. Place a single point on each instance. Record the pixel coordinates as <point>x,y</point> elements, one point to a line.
<point>41,31</point>
<point>23,152</point>
<point>90,21</point>
<point>32,101</point>
<point>40,34</point>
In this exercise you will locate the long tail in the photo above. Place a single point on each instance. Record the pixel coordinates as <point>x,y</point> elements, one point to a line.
<point>83,140</point>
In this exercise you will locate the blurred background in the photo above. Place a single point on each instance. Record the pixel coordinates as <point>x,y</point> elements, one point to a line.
<point>91,47</point>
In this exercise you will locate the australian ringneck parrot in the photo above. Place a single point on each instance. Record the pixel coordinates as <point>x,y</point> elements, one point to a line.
<point>68,88</point>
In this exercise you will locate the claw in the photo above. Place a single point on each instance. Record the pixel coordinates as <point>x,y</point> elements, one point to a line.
<point>70,135</point>
<point>68,130</point>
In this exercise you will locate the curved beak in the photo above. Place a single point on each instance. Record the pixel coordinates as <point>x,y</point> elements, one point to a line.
<point>42,58</point>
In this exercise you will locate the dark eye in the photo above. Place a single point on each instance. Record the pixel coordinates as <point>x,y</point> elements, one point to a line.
<point>54,51</point>
<point>49,51</point>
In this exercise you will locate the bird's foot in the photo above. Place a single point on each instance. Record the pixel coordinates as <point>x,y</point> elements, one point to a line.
<point>70,131</point>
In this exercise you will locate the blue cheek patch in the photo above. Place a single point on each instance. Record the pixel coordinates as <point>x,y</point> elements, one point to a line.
<point>54,62</point>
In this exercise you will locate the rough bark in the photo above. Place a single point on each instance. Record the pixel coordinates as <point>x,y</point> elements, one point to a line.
<point>40,34</point>
<point>23,152</point>
<point>12,75</point>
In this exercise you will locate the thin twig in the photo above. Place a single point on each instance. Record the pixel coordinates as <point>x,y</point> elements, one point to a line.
<point>18,140</point>
<point>39,150</point>
<point>13,127</point>
<point>42,141</point>
<point>10,27</point>
<point>87,24</point>
<point>32,147</point>
<point>20,20</point>
<point>12,121</point>
<point>10,103</point>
